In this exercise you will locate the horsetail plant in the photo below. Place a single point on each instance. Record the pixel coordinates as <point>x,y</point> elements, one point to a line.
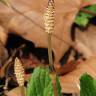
<point>44,82</point>
<point>49,19</point>
<point>49,28</point>
<point>19,73</point>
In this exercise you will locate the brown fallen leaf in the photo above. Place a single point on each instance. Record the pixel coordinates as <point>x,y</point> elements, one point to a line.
<point>33,29</point>
<point>14,92</point>
<point>85,41</point>
<point>67,68</point>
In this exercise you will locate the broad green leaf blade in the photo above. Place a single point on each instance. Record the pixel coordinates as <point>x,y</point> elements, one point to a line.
<point>88,86</point>
<point>40,83</point>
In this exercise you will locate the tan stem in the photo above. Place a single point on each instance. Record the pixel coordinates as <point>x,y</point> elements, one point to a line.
<point>22,88</point>
<point>53,77</point>
<point>54,87</point>
<point>88,12</point>
<point>50,52</point>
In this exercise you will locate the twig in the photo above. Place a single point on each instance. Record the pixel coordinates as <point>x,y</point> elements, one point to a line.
<point>88,12</point>
<point>2,70</point>
<point>6,84</point>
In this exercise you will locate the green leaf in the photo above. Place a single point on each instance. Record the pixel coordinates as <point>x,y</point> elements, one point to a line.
<point>87,86</point>
<point>82,19</point>
<point>40,83</point>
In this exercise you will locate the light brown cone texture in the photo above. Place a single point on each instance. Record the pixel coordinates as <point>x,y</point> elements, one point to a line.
<point>19,72</point>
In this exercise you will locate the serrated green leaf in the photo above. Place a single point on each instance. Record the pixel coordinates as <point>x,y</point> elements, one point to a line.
<point>42,79</point>
<point>40,84</point>
<point>87,86</point>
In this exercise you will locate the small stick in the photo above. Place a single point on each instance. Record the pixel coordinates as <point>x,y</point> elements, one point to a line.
<point>2,70</point>
<point>88,12</point>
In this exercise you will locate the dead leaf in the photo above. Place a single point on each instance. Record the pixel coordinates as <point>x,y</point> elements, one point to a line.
<point>35,31</point>
<point>86,41</point>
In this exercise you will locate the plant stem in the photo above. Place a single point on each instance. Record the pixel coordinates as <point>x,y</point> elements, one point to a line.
<point>22,88</point>
<point>51,64</point>
<point>50,52</point>
<point>88,12</point>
